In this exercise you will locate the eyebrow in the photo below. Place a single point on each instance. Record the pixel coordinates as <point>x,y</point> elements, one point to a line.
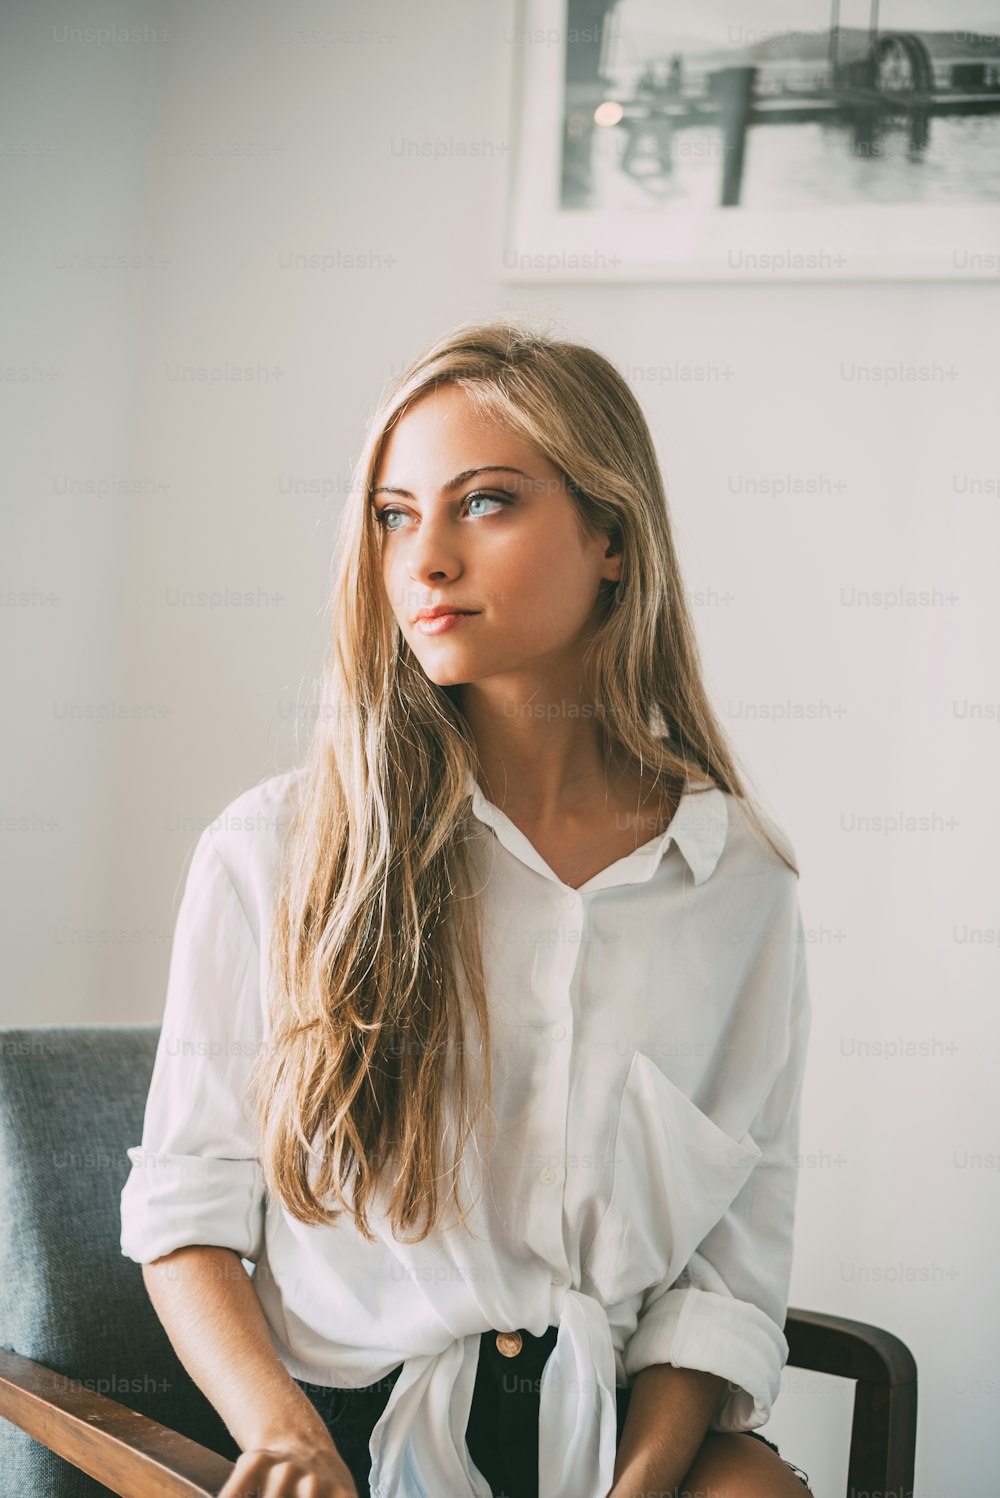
<point>456,482</point>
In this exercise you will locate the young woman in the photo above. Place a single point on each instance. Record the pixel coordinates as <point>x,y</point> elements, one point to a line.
<point>485,1030</point>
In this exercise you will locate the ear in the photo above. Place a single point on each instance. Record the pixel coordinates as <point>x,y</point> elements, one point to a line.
<point>613,572</point>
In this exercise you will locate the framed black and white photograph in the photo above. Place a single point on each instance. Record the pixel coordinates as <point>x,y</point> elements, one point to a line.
<point>710,139</point>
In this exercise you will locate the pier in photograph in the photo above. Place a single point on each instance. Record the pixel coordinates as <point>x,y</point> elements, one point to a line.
<point>865,84</point>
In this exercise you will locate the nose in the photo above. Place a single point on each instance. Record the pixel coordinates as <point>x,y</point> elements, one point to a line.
<point>432,555</point>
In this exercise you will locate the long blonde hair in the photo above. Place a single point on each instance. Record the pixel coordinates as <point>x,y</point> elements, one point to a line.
<point>374,910</point>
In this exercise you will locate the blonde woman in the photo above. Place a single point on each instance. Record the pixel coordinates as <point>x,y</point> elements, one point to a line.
<point>485,1029</point>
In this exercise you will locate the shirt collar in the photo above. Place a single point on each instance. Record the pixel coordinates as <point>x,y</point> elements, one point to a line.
<point>698,827</point>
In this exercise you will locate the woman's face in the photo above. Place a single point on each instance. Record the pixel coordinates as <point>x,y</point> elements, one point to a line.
<point>502,542</point>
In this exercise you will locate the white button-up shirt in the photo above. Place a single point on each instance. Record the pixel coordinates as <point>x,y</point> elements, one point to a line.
<point>650,1033</point>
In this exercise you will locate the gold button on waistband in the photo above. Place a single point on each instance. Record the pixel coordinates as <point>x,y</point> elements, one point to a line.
<point>509,1343</point>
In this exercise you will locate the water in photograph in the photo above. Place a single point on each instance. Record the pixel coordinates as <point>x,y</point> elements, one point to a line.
<point>800,166</point>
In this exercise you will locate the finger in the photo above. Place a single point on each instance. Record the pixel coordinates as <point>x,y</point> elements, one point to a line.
<point>246,1477</point>
<point>312,1486</point>
<point>283,1479</point>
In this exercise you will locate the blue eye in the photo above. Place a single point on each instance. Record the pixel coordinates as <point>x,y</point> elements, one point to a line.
<point>496,498</point>
<point>381,516</point>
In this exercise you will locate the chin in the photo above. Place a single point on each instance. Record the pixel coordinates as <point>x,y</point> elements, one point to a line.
<point>448,667</point>
<point>441,676</point>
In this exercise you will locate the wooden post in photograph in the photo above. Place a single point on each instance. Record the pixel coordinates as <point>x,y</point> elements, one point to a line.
<point>735,87</point>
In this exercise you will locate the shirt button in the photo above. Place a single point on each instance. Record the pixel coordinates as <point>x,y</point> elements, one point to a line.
<point>547,1176</point>
<point>558,1031</point>
<point>557,1279</point>
<point>509,1343</point>
<point>569,898</point>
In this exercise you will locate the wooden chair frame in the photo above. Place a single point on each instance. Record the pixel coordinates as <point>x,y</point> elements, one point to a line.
<point>137,1457</point>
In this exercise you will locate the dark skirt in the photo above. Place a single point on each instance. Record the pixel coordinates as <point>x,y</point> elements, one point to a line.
<point>502,1433</point>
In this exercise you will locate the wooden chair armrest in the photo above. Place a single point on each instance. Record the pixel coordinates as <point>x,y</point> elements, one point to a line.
<point>884,1423</point>
<point>129,1453</point>
<point>850,1349</point>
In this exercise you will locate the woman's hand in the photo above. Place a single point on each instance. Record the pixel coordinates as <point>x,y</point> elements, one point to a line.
<point>290,1472</point>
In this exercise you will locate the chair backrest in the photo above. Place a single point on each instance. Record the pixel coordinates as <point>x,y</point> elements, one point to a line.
<point>72,1100</point>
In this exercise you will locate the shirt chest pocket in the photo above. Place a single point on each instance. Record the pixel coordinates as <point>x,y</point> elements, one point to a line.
<point>675,1173</point>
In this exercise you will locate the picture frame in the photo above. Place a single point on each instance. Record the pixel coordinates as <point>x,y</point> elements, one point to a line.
<point>571,215</point>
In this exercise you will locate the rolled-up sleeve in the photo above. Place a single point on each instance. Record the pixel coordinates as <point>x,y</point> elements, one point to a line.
<point>196,1177</point>
<point>725,1312</point>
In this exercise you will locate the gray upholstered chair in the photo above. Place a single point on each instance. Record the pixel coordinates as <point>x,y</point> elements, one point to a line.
<point>89,1383</point>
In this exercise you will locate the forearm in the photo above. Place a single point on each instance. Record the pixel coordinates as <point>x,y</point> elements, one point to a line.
<point>668,1418</point>
<point>209,1308</point>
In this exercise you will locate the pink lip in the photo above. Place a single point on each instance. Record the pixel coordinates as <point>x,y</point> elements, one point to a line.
<point>438,624</point>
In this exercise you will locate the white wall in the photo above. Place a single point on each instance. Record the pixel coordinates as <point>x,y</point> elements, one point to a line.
<point>74,163</point>
<point>896,1226</point>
